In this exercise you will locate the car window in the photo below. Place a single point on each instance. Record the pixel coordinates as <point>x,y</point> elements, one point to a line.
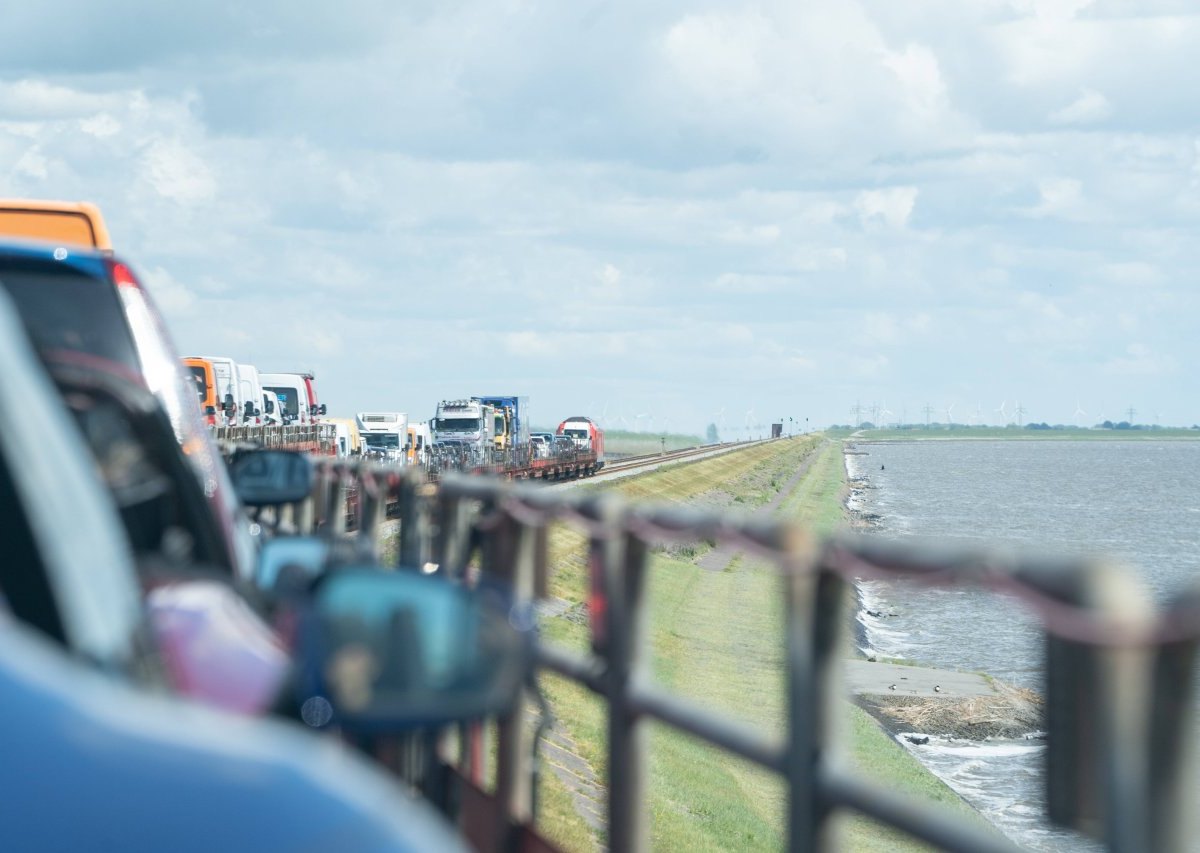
<point>64,309</point>
<point>24,585</point>
<point>82,556</point>
<point>287,396</point>
<point>201,380</point>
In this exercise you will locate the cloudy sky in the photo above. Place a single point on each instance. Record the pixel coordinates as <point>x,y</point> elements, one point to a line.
<point>661,214</point>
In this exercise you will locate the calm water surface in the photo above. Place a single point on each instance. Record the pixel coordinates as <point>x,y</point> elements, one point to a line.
<point>1137,500</point>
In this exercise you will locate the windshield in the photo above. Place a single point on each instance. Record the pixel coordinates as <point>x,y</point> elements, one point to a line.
<point>68,310</point>
<point>576,433</point>
<point>287,399</point>
<point>382,440</point>
<point>457,424</point>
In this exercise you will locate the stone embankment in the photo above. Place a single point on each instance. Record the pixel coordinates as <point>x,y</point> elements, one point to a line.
<point>942,703</point>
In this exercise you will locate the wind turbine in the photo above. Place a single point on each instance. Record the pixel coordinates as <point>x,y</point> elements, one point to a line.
<point>950,415</point>
<point>1003,414</point>
<point>1078,411</point>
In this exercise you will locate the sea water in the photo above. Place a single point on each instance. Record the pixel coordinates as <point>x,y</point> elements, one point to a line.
<point>1136,500</point>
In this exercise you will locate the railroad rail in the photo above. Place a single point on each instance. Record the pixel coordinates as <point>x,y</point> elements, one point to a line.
<point>646,460</point>
<point>1119,675</point>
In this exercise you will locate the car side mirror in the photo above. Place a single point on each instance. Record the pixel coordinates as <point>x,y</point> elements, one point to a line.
<point>290,563</point>
<point>270,407</point>
<point>321,409</point>
<point>385,651</point>
<point>228,400</point>
<point>268,477</point>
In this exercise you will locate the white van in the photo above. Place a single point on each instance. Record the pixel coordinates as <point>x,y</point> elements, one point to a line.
<point>250,395</point>
<point>420,441</point>
<point>227,389</point>
<point>292,394</point>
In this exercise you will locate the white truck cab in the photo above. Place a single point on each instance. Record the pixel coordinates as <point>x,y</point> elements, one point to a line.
<point>468,421</point>
<point>384,435</point>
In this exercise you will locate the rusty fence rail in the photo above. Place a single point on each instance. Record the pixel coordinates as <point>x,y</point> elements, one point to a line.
<point>1119,674</point>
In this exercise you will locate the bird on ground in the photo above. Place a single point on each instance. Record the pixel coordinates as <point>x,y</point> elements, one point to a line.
<point>937,689</point>
<point>892,687</point>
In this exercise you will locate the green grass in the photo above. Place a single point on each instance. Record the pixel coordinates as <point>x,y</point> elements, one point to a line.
<point>886,764</point>
<point>716,638</point>
<point>625,443</point>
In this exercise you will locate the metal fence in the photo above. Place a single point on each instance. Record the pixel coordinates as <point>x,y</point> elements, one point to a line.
<point>1119,702</point>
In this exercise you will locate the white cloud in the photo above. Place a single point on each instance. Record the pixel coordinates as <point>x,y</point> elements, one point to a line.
<point>919,74</point>
<point>529,343</point>
<point>880,329</point>
<point>172,297</point>
<point>100,125</point>
<point>610,276</point>
<point>177,172</point>
<point>752,235</point>
<point>1140,360</point>
<point>36,99</point>
<point>1060,197</point>
<point>719,54</point>
<point>33,164</point>
<point>1088,108</point>
<point>869,367</point>
<point>892,206</point>
<point>1139,273</point>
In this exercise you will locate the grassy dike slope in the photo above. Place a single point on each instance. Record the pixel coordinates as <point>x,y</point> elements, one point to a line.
<point>717,639</point>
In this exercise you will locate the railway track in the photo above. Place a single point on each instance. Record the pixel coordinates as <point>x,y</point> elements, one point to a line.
<point>387,479</point>
<point>646,460</point>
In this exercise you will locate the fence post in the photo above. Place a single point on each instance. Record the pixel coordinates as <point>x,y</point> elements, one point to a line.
<point>620,558</point>
<point>412,508</point>
<point>815,612</point>
<point>509,555</point>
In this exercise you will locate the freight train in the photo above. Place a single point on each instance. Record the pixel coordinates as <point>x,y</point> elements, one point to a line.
<point>579,454</point>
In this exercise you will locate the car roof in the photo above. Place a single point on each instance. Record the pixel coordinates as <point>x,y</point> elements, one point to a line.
<point>90,261</point>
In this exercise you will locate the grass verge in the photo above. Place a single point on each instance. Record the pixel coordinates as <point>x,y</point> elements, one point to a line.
<point>716,638</point>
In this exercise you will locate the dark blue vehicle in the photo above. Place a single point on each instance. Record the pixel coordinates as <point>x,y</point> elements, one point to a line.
<point>91,760</point>
<point>78,303</point>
